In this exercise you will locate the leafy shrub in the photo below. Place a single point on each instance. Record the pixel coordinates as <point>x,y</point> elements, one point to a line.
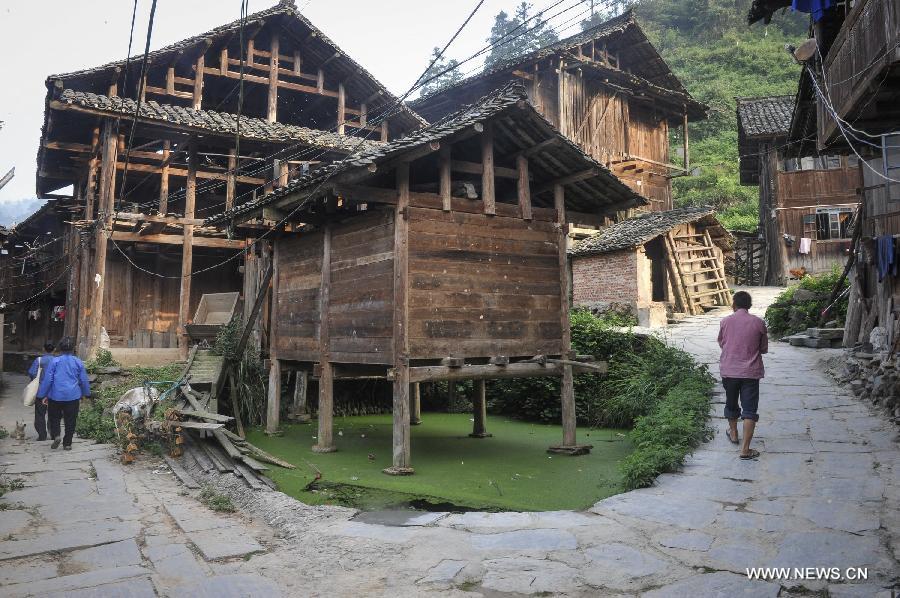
<point>673,428</point>
<point>103,359</point>
<point>788,315</point>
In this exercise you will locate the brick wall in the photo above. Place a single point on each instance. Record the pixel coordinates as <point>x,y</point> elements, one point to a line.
<point>608,277</point>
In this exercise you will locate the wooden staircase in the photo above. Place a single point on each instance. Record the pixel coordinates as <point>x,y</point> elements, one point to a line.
<point>697,272</point>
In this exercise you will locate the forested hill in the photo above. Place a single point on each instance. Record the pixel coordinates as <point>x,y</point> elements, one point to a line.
<point>712,50</point>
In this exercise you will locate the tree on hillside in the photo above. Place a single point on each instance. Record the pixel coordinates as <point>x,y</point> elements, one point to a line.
<point>442,73</point>
<point>603,10</point>
<point>517,35</point>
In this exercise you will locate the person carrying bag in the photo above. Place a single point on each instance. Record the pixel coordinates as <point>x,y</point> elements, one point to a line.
<point>36,372</point>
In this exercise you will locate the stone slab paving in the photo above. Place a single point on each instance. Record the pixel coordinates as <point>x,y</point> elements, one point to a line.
<point>825,493</point>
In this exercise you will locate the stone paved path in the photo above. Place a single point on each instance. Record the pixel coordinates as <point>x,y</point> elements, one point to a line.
<point>825,493</point>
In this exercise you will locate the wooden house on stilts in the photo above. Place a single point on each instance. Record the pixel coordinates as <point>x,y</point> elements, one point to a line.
<point>217,120</point>
<point>439,256</point>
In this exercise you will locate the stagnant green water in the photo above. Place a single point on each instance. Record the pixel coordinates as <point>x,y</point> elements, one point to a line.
<point>509,471</point>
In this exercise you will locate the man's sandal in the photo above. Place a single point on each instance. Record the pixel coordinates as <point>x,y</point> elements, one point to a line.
<point>734,440</point>
<point>753,454</point>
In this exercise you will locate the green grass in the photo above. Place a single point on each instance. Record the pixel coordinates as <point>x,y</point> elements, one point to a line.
<point>510,471</point>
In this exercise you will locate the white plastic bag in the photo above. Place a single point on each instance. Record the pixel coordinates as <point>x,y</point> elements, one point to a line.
<point>31,389</point>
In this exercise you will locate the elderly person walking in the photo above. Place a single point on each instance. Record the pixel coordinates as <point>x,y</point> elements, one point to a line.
<point>64,385</point>
<point>40,364</point>
<point>744,340</point>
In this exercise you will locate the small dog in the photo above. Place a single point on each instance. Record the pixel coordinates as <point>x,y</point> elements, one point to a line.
<point>19,432</point>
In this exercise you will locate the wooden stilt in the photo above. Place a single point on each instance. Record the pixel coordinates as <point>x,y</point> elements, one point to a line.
<point>401,464</point>
<point>230,179</point>
<point>198,82</point>
<point>341,109</point>
<point>524,188</point>
<point>272,113</point>
<point>487,171</point>
<point>299,411</point>
<point>479,412</point>
<point>567,393</point>
<point>273,404</point>
<point>187,250</point>
<point>164,178</point>
<point>325,436</point>
<point>235,409</point>
<point>107,192</point>
<point>415,405</point>
<point>444,163</point>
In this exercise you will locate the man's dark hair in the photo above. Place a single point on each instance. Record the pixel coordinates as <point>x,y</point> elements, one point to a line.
<point>67,344</point>
<point>48,347</point>
<point>742,300</point>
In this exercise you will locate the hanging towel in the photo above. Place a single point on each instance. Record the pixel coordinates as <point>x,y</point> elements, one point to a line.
<point>885,256</point>
<point>805,244</point>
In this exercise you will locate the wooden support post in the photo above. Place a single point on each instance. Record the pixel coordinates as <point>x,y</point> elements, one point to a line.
<point>273,404</point>
<point>626,125</point>
<point>235,409</point>
<point>297,63</point>
<point>341,108</point>
<point>223,62</point>
<point>299,410</point>
<point>479,411</point>
<point>561,97</point>
<point>198,82</point>
<point>487,172</point>
<point>107,191</point>
<point>384,130</point>
<point>363,115</point>
<point>524,188</point>
<point>567,391</point>
<point>401,464</point>
<point>687,154</point>
<point>164,178</point>
<point>272,113</point>
<point>128,308</point>
<point>415,405</point>
<point>170,80</point>
<point>86,272</point>
<point>444,162</point>
<point>325,436</point>
<point>187,249</point>
<point>230,179</point>
<point>320,81</point>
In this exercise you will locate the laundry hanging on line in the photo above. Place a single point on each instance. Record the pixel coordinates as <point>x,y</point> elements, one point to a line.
<point>805,245</point>
<point>886,259</point>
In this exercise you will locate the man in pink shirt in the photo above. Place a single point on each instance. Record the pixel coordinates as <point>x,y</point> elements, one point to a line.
<point>743,339</point>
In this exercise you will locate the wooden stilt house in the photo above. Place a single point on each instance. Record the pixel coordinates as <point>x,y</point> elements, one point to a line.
<point>213,123</point>
<point>440,256</point>
<point>609,91</point>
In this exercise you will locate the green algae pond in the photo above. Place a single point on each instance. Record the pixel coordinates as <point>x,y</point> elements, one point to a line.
<point>509,471</point>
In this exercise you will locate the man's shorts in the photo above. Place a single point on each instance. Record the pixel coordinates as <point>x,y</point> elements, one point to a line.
<point>747,389</point>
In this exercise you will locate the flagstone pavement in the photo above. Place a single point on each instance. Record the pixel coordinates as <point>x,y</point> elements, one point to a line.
<point>824,493</point>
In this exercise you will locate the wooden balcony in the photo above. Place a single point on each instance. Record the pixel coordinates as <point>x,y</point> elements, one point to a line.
<point>863,71</point>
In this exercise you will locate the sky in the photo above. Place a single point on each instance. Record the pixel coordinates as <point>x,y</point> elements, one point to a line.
<point>393,39</point>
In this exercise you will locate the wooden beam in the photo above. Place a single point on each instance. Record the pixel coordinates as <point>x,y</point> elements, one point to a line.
<point>187,249</point>
<point>164,178</point>
<point>164,239</point>
<point>444,166</point>
<point>431,373</point>
<point>567,390</point>
<point>198,82</point>
<point>272,112</point>
<point>183,172</point>
<point>569,179</point>
<point>341,107</point>
<point>400,461</point>
<point>476,168</point>
<point>487,175</point>
<point>231,178</point>
<point>107,184</point>
<point>523,188</point>
<point>325,435</point>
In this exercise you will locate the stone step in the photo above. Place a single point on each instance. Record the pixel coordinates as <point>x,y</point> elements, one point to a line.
<point>826,333</point>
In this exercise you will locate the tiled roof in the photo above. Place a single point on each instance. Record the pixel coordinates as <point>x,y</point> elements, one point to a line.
<point>604,187</point>
<point>637,231</point>
<point>765,117</point>
<point>664,79</point>
<point>217,122</point>
<point>283,8</point>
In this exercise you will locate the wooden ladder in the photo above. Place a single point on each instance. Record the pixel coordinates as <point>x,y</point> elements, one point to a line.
<point>697,267</point>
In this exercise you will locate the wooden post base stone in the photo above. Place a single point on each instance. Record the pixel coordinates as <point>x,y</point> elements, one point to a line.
<point>399,471</point>
<point>323,449</point>
<point>299,417</point>
<point>572,451</point>
<point>480,435</point>
<point>274,433</point>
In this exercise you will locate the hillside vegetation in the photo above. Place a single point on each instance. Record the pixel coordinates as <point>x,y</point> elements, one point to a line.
<point>709,46</point>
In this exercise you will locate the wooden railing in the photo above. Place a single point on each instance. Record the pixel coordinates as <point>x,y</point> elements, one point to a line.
<point>867,42</point>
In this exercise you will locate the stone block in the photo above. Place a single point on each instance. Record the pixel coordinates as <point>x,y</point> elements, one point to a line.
<point>817,343</point>
<point>798,340</point>
<point>651,314</point>
<point>829,333</point>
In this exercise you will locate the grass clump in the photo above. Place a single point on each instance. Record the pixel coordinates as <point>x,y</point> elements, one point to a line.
<point>4,433</point>
<point>215,500</point>
<point>799,307</point>
<point>8,485</point>
<point>103,359</point>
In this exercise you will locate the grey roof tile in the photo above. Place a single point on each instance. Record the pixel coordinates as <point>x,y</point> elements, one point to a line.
<point>767,116</point>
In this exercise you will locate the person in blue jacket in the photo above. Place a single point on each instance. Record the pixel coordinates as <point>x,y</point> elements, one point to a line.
<point>40,410</point>
<point>64,385</point>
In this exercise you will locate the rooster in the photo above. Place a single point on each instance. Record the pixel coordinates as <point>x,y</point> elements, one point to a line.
<point>798,272</point>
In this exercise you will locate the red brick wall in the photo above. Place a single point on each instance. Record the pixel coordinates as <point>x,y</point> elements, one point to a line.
<point>608,277</point>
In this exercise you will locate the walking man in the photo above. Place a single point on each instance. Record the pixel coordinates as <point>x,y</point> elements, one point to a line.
<point>62,388</point>
<point>40,364</point>
<point>743,339</point>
